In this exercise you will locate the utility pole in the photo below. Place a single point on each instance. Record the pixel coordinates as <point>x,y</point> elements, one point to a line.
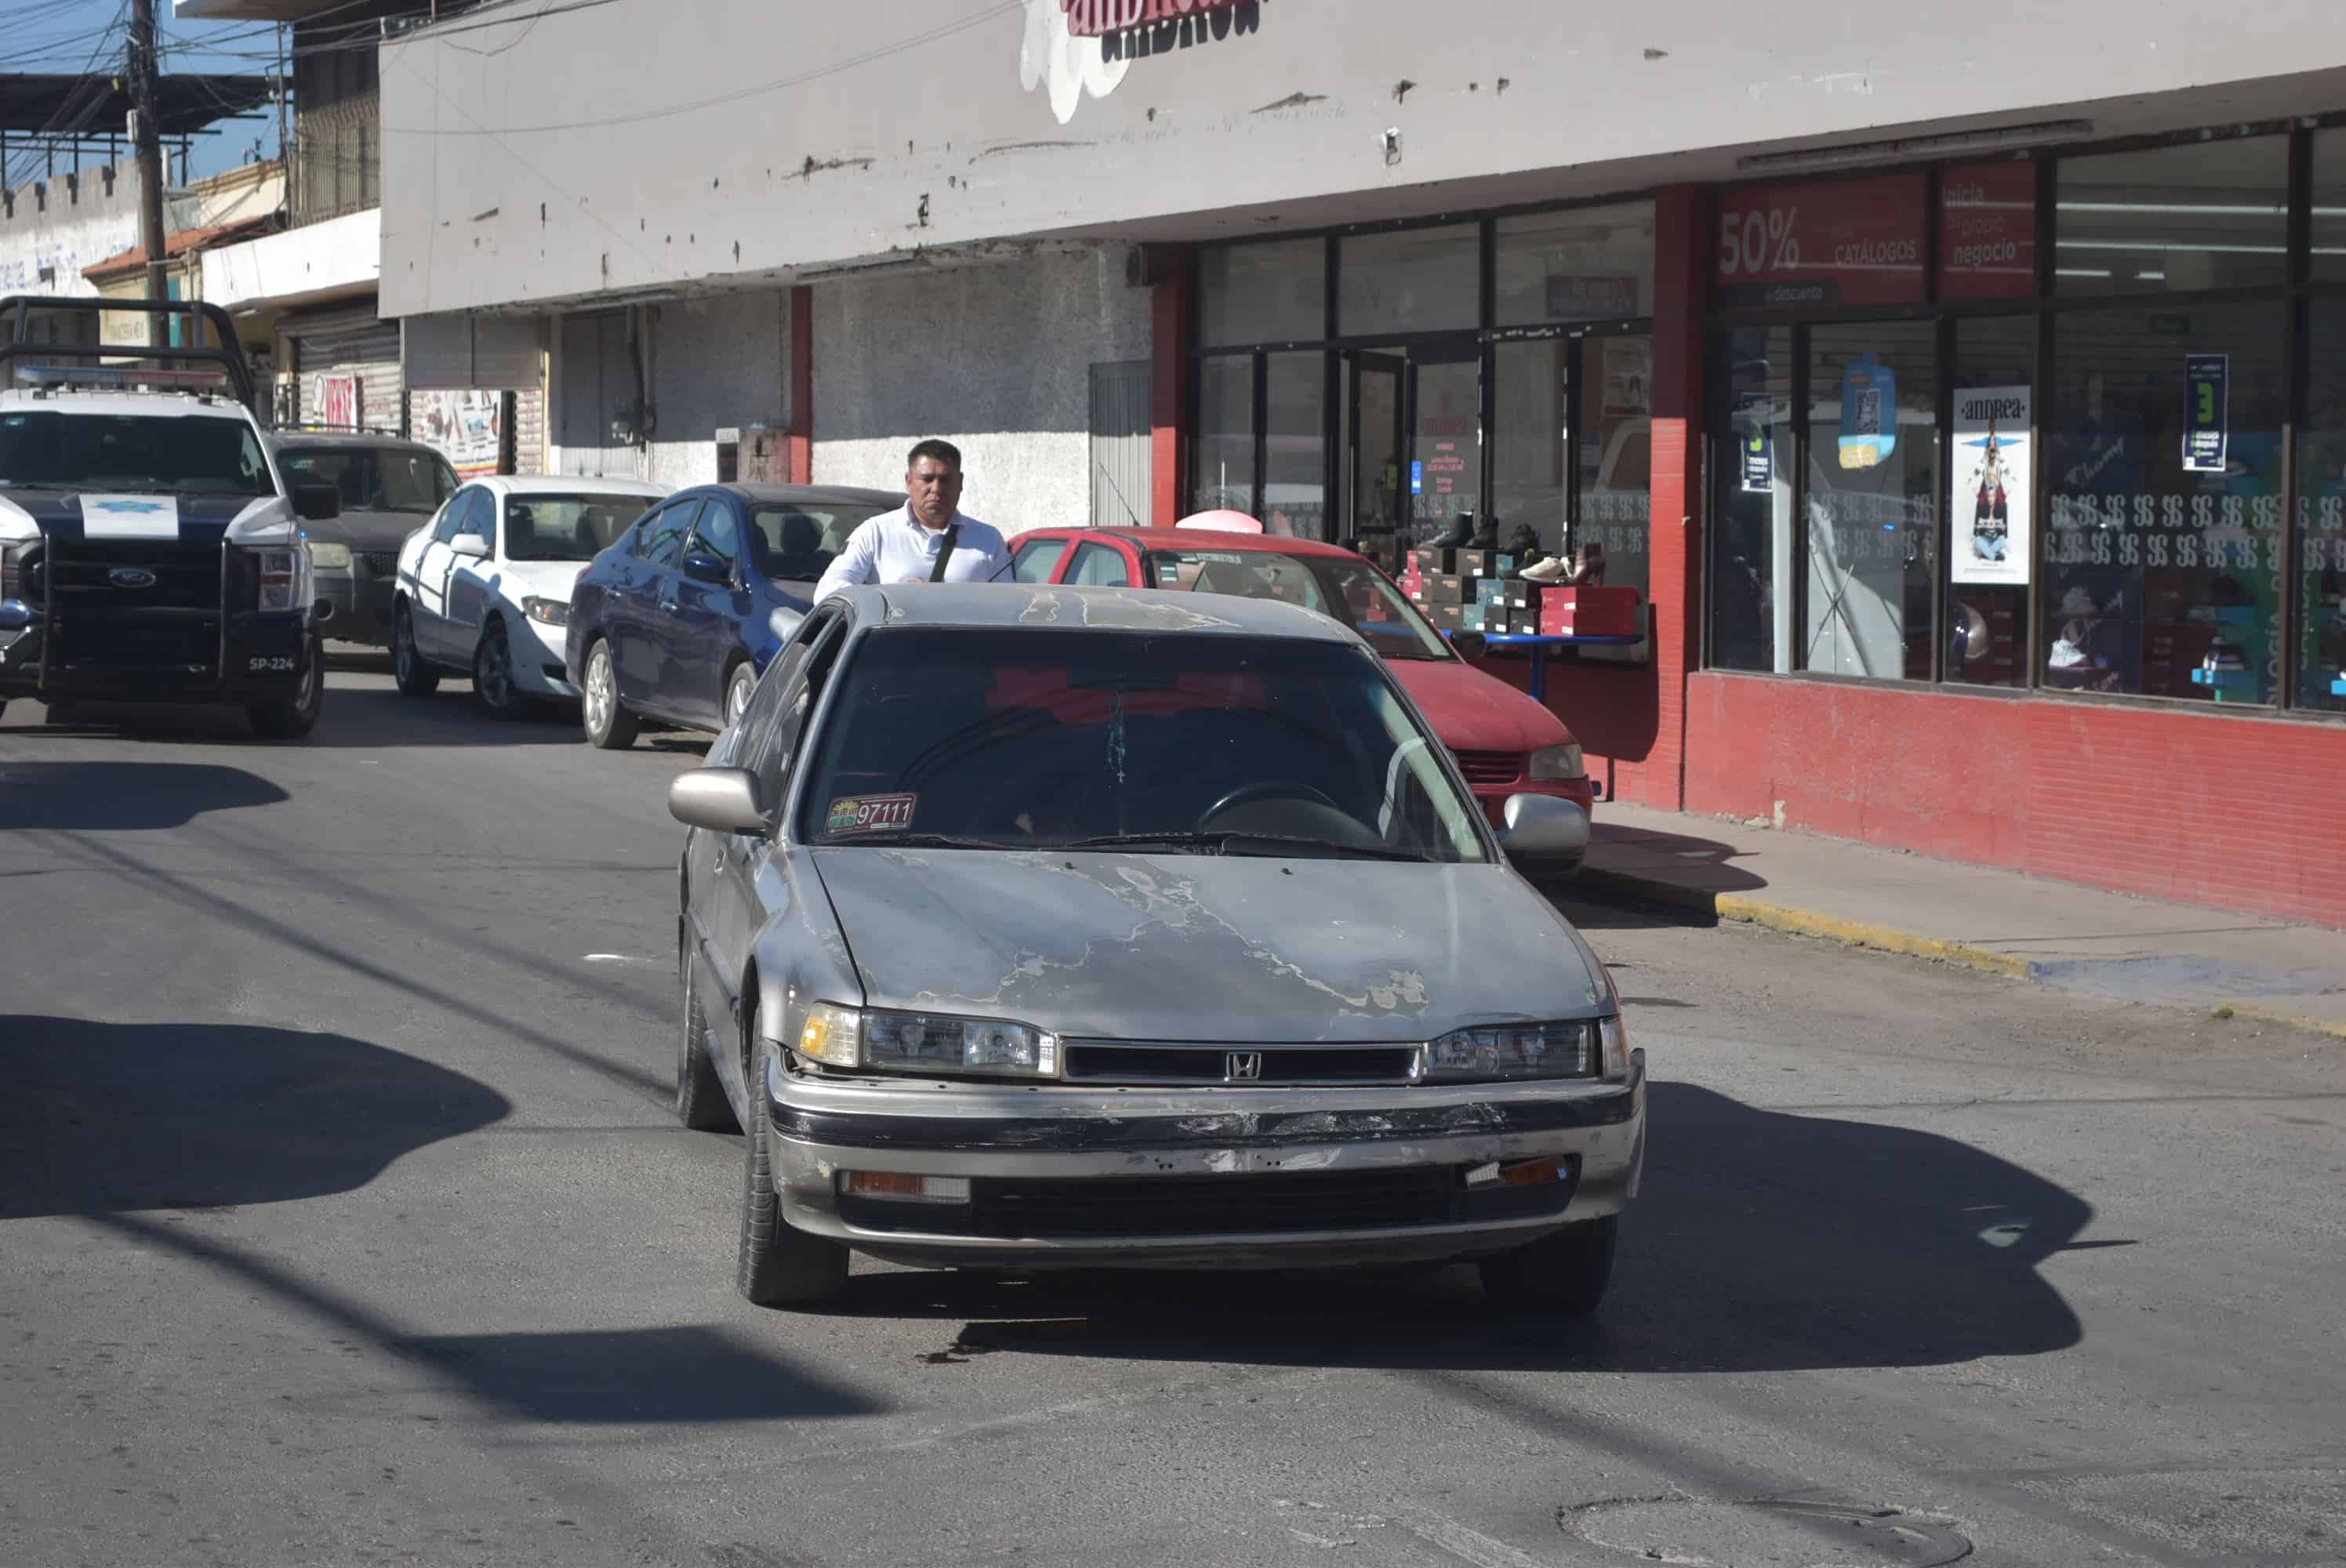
<point>149,136</point>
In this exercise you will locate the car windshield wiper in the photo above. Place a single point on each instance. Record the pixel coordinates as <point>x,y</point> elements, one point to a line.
<point>916,841</point>
<point>1239,843</point>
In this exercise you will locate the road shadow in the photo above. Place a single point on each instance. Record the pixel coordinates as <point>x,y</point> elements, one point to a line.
<point>1763,1241</point>
<point>690,1372</point>
<point>102,1119</point>
<point>91,797</point>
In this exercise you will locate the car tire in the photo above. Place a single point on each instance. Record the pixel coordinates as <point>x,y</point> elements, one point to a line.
<point>700,1101</point>
<point>780,1264</point>
<point>296,716</point>
<point>609,726</point>
<point>409,671</point>
<point>493,674</point>
<point>741,682</point>
<point>1564,1275</point>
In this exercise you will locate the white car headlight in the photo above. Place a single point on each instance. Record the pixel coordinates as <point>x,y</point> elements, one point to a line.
<point>330,557</point>
<point>547,612</point>
<point>925,1042</point>
<point>1502,1052</point>
<point>1558,761</point>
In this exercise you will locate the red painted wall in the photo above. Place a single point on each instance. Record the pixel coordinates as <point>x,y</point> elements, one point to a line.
<point>2235,811</point>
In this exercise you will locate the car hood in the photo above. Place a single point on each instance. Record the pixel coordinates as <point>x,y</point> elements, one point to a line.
<point>193,518</point>
<point>1102,945</point>
<point>367,530</point>
<point>536,579</point>
<point>1472,711</point>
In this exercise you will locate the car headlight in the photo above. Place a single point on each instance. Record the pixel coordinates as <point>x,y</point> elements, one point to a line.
<point>277,570</point>
<point>547,612</point>
<point>330,557</point>
<point>1501,1052</point>
<point>1613,1048</point>
<point>1558,761</point>
<point>840,1037</point>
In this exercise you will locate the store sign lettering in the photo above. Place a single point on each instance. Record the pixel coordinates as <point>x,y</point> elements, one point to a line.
<point>1097,18</point>
<point>1846,242</point>
<point>1987,232</point>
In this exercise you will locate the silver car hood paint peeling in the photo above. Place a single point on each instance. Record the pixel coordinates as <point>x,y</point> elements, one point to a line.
<point>1206,947</point>
<point>1126,611</point>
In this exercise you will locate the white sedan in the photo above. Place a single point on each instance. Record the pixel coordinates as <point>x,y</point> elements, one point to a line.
<point>484,590</point>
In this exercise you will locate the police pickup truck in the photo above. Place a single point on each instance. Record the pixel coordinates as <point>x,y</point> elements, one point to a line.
<point>150,550</point>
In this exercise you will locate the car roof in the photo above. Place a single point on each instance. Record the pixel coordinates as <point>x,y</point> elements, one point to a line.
<point>568,484</point>
<point>158,404</point>
<point>1208,539</point>
<point>814,495</point>
<point>1046,607</point>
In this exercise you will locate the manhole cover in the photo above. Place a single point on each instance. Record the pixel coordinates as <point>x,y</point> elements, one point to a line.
<point>1769,1533</point>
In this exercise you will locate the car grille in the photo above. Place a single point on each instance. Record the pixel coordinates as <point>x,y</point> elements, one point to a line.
<point>174,620</point>
<point>1118,1061</point>
<point>1490,767</point>
<point>377,562</point>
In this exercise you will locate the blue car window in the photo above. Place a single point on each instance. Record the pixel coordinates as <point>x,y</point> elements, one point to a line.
<point>662,542</point>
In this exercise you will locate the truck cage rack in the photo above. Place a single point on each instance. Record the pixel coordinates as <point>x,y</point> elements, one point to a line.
<point>21,310</point>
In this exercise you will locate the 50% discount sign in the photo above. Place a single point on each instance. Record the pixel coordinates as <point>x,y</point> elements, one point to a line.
<point>1757,240</point>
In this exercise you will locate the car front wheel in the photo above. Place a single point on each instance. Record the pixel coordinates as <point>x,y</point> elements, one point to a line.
<point>493,674</point>
<point>780,1264</point>
<point>609,726</point>
<point>408,670</point>
<point>1564,1275</point>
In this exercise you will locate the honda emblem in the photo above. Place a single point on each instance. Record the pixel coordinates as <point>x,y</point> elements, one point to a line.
<point>1242,1066</point>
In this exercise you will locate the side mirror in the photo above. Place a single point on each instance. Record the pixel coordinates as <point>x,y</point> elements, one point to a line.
<point>721,800</point>
<point>703,567</point>
<point>16,615</point>
<point>1544,832</point>
<point>317,502</point>
<point>469,544</point>
<point>1472,645</point>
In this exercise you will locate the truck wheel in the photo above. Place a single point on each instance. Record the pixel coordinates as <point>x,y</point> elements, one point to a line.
<point>779,1266</point>
<point>295,716</point>
<point>493,674</point>
<point>609,726</point>
<point>413,676</point>
<point>1564,1275</point>
<point>700,1101</point>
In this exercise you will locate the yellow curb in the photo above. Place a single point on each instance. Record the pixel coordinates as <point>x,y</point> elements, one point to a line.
<point>2330,1026</point>
<point>1862,933</point>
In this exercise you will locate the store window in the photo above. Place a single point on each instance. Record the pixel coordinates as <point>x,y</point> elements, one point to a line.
<point>1752,533</point>
<point>1872,499</point>
<point>2161,552</point>
<point>1409,281</point>
<point>1295,450</point>
<point>2321,514</point>
<point>2200,215</point>
<point>1274,292</point>
<point>1223,474</point>
<point>1588,264</point>
<point>2329,227</point>
<point>1530,438</point>
<point>1990,496</point>
<point>1616,454</point>
<point>1987,232</point>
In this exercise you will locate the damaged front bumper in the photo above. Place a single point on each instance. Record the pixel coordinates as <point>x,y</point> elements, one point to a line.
<point>1233,1178</point>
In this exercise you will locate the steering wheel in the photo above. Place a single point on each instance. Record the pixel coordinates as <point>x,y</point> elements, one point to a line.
<point>1267,790</point>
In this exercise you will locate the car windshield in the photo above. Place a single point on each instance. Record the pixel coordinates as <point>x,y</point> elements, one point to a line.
<point>1198,744</point>
<point>567,527</point>
<point>795,540</point>
<point>190,454</point>
<point>373,479</point>
<point>1345,586</point>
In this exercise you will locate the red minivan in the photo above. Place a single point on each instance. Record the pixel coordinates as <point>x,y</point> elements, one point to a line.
<point>1506,743</point>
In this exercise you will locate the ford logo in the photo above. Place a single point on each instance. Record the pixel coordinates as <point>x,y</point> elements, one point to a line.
<point>131,577</point>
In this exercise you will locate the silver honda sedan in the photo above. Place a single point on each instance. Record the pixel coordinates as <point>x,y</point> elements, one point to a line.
<point>1029,927</point>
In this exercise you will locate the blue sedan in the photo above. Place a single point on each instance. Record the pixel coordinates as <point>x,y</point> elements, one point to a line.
<point>675,621</point>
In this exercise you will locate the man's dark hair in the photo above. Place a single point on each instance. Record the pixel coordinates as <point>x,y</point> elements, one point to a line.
<point>945,451</point>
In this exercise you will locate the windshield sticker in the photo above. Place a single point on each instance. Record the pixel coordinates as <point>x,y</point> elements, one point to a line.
<point>869,813</point>
<point>129,517</point>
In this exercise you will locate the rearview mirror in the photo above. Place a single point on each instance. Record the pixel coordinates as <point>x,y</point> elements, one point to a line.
<point>1544,831</point>
<point>1473,645</point>
<point>317,502</point>
<point>703,567</point>
<point>721,800</point>
<point>469,544</point>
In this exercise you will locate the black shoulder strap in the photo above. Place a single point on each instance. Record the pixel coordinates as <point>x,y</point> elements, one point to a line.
<point>945,552</point>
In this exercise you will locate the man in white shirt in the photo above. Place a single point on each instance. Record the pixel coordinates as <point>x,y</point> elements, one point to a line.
<point>902,546</point>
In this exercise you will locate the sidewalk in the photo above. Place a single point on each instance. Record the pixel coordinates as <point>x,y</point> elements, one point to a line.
<point>2056,933</point>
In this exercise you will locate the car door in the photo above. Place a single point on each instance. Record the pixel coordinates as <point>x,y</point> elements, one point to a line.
<point>635,617</point>
<point>474,580</point>
<point>427,605</point>
<point>1095,565</point>
<point>699,622</point>
<point>738,882</point>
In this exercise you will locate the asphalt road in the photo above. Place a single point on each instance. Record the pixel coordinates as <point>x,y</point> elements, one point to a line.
<point>342,1221</point>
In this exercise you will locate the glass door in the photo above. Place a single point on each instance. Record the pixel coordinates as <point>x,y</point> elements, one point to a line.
<point>1445,443</point>
<point>1372,474</point>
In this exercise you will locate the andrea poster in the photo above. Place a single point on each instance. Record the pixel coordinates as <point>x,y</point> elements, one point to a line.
<point>1992,485</point>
